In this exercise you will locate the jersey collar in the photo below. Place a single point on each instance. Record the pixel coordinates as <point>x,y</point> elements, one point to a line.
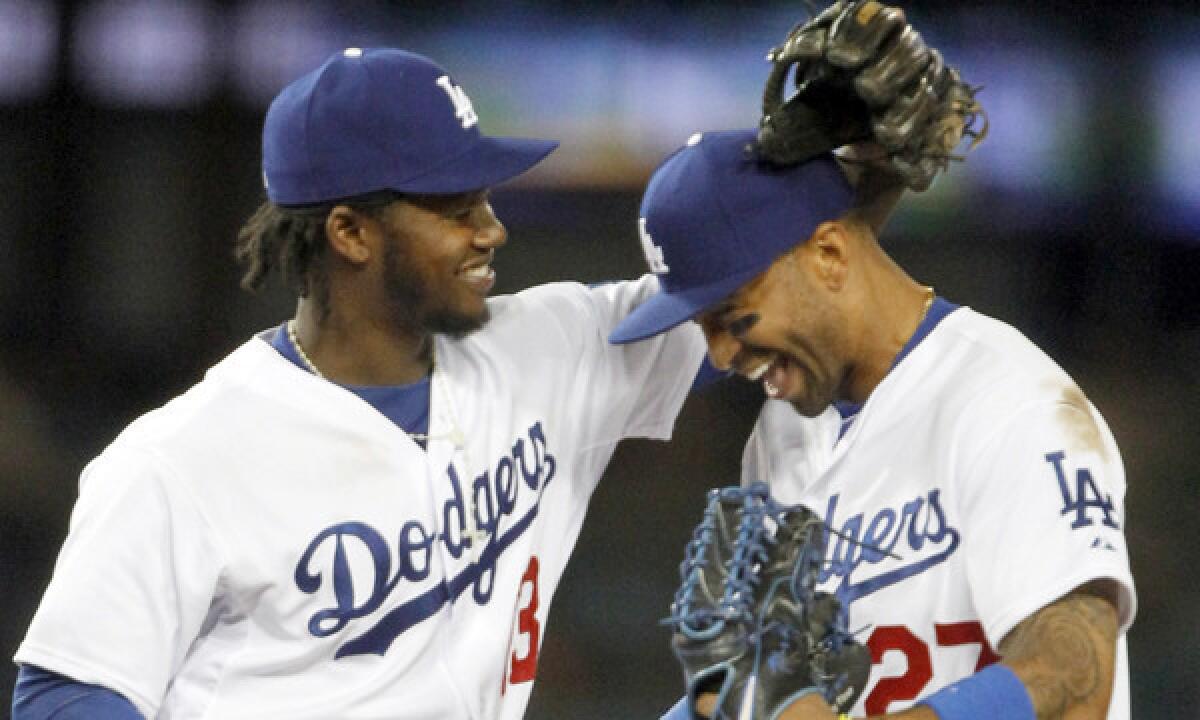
<point>937,312</point>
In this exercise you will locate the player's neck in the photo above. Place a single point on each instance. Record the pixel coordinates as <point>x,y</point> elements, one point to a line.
<point>894,309</point>
<point>359,350</point>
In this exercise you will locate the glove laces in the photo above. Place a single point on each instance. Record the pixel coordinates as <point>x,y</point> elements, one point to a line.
<point>694,611</point>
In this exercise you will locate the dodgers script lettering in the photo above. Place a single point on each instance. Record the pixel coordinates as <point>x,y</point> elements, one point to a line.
<point>918,532</point>
<point>496,494</point>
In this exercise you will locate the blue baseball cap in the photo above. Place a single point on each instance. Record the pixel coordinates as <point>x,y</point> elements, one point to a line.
<point>382,119</point>
<point>713,218</point>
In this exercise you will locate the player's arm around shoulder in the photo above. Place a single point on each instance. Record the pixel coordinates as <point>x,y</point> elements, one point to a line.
<point>581,314</point>
<point>677,351</point>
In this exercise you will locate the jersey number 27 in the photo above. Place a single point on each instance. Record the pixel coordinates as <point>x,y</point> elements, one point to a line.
<point>920,665</point>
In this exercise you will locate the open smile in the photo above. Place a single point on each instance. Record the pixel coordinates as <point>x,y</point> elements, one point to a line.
<point>480,277</point>
<point>774,374</point>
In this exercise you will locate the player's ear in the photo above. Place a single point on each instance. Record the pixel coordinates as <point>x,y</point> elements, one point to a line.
<point>346,231</point>
<point>829,253</point>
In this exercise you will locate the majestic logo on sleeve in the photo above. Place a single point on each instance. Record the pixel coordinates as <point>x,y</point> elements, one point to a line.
<point>495,494</point>
<point>1082,498</point>
<point>916,537</point>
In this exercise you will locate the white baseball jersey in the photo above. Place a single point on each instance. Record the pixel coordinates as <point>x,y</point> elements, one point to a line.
<point>976,485</point>
<point>268,545</point>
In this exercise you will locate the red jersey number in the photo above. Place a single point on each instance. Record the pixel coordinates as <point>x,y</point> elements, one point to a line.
<point>919,662</point>
<point>522,669</point>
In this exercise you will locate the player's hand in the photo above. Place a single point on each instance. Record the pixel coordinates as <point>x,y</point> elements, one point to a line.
<point>869,154</point>
<point>809,707</point>
<point>868,165</point>
<point>812,707</point>
<point>861,71</point>
<point>750,629</point>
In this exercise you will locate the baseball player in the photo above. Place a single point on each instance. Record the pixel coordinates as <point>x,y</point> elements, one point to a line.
<point>364,512</point>
<point>973,493</point>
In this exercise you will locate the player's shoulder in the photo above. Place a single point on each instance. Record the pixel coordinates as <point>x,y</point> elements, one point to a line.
<point>205,409</point>
<point>986,351</point>
<point>994,371</point>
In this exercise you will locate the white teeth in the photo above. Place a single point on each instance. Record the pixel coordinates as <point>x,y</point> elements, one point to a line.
<point>478,273</point>
<point>770,389</point>
<point>758,372</point>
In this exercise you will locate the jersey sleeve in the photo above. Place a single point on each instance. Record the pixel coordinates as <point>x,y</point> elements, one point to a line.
<point>133,583</point>
<point>1044,502</point>
<point>632,390</point>
<point>787,450</point>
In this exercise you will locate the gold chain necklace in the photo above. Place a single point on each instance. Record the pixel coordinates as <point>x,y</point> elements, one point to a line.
<point>308,363</point>
<point>312,367</point>
<point>473,533</point>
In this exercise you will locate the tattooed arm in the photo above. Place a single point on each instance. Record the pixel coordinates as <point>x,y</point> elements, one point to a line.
<point>1065,653</point>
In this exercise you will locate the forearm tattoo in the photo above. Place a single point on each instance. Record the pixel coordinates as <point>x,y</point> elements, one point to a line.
<point>1065,653</point>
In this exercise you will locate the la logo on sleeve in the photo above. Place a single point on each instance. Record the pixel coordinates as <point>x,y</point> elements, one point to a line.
<point>1084,498</point>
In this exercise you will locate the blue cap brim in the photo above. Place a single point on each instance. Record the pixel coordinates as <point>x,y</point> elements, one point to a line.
<point>665,310</point>
<point>489,162</point>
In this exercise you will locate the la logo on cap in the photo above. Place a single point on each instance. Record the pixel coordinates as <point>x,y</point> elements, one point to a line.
<point>463,110</point>
<point>371,119</point>
<point>654,254</point>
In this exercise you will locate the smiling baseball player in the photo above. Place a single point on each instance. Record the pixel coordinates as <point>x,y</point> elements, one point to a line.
<point>974,494</point>
<point>364,512</point>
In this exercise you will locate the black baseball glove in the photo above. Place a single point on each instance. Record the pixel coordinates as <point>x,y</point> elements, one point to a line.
<point>863,73</point>
<point>749,626</point>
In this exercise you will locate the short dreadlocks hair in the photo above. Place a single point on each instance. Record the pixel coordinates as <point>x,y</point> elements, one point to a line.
<point>291,240</point>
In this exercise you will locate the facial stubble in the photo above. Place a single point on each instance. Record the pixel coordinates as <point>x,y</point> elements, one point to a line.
<point>415,302</point>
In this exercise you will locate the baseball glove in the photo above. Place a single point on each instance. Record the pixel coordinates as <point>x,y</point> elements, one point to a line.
<point>749,625</point>
<point>863,73</point>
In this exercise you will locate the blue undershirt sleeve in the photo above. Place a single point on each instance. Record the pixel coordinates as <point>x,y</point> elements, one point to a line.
<point>44,695</point>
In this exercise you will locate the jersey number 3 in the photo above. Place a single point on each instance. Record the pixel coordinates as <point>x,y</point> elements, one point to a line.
<point>920,666</point>
<point>523,667</point>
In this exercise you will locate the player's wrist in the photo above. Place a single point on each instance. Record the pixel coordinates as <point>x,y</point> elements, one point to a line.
<point>994,693</point>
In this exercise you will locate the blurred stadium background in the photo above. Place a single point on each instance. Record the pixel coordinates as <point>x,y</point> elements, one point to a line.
<point>129,158</point>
